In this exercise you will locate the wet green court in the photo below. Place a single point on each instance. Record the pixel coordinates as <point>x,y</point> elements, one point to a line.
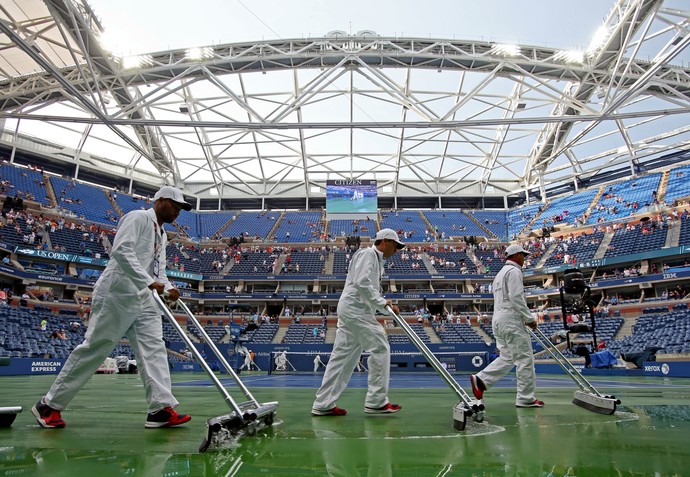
<point>649,435</point>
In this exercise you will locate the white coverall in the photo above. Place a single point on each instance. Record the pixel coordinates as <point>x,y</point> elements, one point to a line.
<point>123,305</point>
<point>512,338</point>
<point>358,330</point>
<point>281,361</point>
<point>317,362</point>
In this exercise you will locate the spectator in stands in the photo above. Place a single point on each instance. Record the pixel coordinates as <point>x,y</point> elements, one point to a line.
<point>123,305</point>
<point>510,322</point>
<point>359,330</point>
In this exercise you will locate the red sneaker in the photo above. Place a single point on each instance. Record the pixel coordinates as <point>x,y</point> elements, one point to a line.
<point>166,417</point>
<point>478,386</point>
<point>385,409</point>
<point>47,416</point>
<point>334,411</point>
<point>535,403</point>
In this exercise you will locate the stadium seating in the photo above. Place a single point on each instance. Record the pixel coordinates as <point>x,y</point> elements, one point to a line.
<point>409,225</point>
<point>678,184</point>
<point>350,228</point>
<point>495,221</point>
<point>564,210</point>
<point>252,224</point>
<point>519,217</point>
<point>78,242</point>
<point>625,198</point>
<point>627,242</point>
<point>580,248</point>
<point>299,227</point>
<point>457,333</point>
<point>453,224</point>
<point>401,338</point>
<point>23,180</point>
<point>669,330</point>
<point>211,222</point>
<point>128,203</point>
<point>309,263</point>
<point>21,337</point>
<point>84,200</point>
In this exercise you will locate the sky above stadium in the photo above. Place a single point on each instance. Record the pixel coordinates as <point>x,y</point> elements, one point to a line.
<point>135,26</point>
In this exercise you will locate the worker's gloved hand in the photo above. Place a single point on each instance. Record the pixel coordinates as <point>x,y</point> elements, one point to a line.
<point>395,308</point>
<point>159,287</point>
<point>173,294</point>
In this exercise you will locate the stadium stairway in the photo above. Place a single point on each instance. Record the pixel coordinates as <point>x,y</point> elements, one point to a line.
<point>222,228</point>
<point>626,329</point>
<point>429,266</point>
<point>272,233</point>
<point>525,230</point>
<point>663,184</point>
<point>426,221</point>
<point>487,339</point>
<point>280,334</point>
<point>433,336</point>
<point>546,255</point>
<point>50,192</point>
<point>603,246</point>
<point>472,256</point>
<point>594,202</point>
<point>116,207</point>
<point>673,235</point>
<point>489,233</point>
<point>328,264</point>
<point>330,334</point>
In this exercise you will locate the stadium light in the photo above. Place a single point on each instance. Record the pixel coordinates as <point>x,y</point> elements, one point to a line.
<point>505,49</point>
<point>598,39</point>
<point>199,53</point>
<point>131,62</point>
<point>570,56</point>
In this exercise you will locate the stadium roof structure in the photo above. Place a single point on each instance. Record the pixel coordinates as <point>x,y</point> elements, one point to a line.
<point>267,123</point>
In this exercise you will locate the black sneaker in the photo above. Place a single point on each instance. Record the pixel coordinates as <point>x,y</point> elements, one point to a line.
<point>166,417</point>
<point>47,416</point>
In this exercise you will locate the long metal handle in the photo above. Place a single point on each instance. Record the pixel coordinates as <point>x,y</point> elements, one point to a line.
<point>433,360</point>
<point>563,362</point>
<point>218,354</point>
<point>190,346</point>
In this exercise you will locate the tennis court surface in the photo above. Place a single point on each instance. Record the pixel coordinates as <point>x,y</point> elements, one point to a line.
<point>105,434</point>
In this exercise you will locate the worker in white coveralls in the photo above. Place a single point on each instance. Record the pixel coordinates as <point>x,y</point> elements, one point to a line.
<point>281,361</point>
<point>511,319</point>
<point>358,330</point>
<point>317,362</point>
<point>123,304</point>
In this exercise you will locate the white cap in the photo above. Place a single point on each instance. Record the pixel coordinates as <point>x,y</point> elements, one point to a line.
<point>389,234</point>
<point>515,248</point>
<point>169,192</point>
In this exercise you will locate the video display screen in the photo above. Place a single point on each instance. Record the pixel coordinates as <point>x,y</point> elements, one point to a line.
<point>351,196</point>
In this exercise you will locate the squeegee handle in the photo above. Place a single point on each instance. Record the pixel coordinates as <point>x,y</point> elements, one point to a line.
<point>433,360</point>
<point>197,354</point>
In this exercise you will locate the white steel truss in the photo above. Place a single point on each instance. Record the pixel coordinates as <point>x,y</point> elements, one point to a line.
<point>422,116</point>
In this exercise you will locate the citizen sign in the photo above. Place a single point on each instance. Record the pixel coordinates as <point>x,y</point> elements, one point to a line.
<point>339,182</point>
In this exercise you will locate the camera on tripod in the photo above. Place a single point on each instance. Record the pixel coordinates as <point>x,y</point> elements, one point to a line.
<point>577,308</point>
